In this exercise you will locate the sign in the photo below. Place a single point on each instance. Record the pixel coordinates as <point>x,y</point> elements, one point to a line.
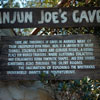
<point>66,57</point>
<point>49,17</point>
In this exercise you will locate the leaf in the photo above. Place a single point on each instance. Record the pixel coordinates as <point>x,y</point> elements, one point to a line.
<point>64,87</point>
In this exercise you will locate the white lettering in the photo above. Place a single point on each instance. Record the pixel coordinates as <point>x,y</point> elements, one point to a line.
<point>6,17</point>
<point>84,16</point>
<point>47,17</point>
<point>64,18</point>
<point>42,18</point>
<point>98,16</point>
<point>75,18</point>
<point>92,15</point>
<point>0,18</point>
<point>20,17</point>
<point>13,19</point>
<point>55,17</point>
<point>28,17</point>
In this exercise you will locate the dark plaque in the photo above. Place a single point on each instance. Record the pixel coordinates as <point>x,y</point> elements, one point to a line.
<point>65,57</point>
<point>49,17</point>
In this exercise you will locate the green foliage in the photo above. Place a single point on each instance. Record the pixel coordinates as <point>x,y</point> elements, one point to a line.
<point>52,3</point>
<point>43,77</point>
<point>85,89</point>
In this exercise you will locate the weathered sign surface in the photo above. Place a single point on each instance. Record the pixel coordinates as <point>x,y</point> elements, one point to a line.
<point>49,17</point>
<point>67,57</point>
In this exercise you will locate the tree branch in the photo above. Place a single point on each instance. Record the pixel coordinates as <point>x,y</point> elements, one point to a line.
<point>60,4</point>
<point>14,32</point>
<point>86,1</point>
<point>35,31</point>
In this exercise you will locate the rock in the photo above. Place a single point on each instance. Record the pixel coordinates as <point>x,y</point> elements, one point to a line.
<point>44,95</point>
<point>22,90</point>
<point>6,32</point>
<point>16,91</point>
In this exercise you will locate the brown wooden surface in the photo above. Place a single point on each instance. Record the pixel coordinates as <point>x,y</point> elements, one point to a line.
<point>37,12</point>
<point>79,73</point>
